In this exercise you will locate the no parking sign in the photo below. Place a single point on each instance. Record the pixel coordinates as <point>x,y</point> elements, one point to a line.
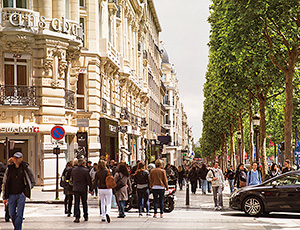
<point>57,132</point>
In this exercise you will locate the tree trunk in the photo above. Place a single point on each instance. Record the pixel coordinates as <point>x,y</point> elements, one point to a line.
<point>232,158</point>
<point>262,147</point>
<point>242,147</point>
<point>250,102</point>
<point>288,113</point>
<point>224,153</point>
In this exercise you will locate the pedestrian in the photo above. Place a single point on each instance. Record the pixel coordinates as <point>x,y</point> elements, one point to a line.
<point>80,178</point>
<point>287,166</point>
<point>92,174</point>
<point>230,175</point>
<point>105,194</point>
<point>158,184</point>
<point>181,176</point>
<point>89,165</point>
<point>215,175</point>
<point>193,177</point>
<point>141,178</point>
<point>170,175</point>
<point>240,179</point>
<point>134,168</point>
<point>122,179</point>
<point>209,184</point>
<point>274,171</point>
<point>202,175</point>
<point>18,181</point>
<point>2,171</point>
<point>68,188</point>
<point>254,176</point>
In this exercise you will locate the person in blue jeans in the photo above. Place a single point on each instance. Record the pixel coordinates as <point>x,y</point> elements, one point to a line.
<point>203,173</point>
<point>254,176</point>
<point>158,184</point>
<point>17,184</point>
<point>230,175</point>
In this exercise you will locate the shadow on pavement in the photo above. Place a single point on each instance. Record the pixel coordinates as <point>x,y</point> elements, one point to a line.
<point>271,215</point>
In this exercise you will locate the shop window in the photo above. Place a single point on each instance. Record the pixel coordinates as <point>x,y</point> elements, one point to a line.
<point>80,92</point>
<point>15,3</point>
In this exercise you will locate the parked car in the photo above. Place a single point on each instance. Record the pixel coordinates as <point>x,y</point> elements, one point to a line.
<point>279,194</point>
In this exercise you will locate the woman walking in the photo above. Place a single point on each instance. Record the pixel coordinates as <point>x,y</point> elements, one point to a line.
<point>68,189</point>
<point>141,178</point>
<point>105,194</point>
<point>158,184</point>
<point>181,175</point>
<point>193,177</point>
<point>122,178</point>
<point>241,176</point>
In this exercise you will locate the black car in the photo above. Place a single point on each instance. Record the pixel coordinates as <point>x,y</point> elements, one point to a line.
<point>279,194</point>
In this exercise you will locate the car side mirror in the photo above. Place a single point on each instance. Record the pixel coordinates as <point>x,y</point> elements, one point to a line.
<point>274,183</point>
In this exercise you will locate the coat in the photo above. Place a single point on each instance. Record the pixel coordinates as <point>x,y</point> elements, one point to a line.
<point>122,193</point>
<point>80,178</point>
<point>29,180</point>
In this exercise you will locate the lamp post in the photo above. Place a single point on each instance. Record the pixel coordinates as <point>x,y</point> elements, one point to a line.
<point>239,137</point>
<point>256,123</point>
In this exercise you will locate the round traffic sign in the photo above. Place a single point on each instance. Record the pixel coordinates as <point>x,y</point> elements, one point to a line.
<point>57,132</point>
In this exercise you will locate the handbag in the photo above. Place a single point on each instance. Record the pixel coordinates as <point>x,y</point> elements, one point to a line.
<point>120,184</point>
<point>243,184</point>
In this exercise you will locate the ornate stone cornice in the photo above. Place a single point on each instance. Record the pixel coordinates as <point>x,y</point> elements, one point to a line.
<point>17,43</point>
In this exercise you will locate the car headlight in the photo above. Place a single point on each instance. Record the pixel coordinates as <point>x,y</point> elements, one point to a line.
<point>235,193</point>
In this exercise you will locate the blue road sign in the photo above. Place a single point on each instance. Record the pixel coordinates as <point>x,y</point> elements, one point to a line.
<point>57,132</point>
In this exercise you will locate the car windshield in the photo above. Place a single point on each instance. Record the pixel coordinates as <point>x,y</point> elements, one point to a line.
<point>290,179</point>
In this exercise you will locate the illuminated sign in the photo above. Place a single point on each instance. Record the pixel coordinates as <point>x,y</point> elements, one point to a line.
<point>19,129</point>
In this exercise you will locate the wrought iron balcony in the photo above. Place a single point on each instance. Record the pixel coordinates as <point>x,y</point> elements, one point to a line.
<point>69,99</point>
<point>163,130</point>
<point>104,105</point>
<point>124,114</point>
<point>113,110</point>
<point>18,95</point>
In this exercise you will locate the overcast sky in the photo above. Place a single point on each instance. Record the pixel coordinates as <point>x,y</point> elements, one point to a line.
<point>185,33</point>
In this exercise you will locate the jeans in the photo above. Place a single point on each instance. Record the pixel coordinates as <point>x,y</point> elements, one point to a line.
<point>203,185</point>
<point>194,186</point>
<point>231,185</point>
<point>143,199</point>
<point>158,195</point>
<point>83,196</point>
<point>218,198</point>
<point>105,196</point>
<point>180,182</point>
<point>16,205</point>
<point>68,202</point>
<point>122,204</point>
<point>209,187</point>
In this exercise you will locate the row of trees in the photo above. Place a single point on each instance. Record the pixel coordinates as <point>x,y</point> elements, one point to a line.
<point>253,60</point>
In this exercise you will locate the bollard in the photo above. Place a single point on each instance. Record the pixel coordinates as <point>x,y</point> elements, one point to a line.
<point>187,197</point>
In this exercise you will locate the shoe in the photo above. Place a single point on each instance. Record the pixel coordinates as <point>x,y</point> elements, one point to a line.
<point>107,218</point>
<point>161,216</point>
<point>148,214</point>
<point>216,208</point>
<point>121,216</point>
<point>69,214</point>
<point>140,214</point>
<point>103,220</point>
<point>220,208</point>
<point>154,216</point>
<point>76,220</point>
<point>86,218</point>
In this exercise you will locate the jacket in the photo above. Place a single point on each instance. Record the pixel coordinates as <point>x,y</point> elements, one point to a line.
<point>29,180</point>
<point>158,177</point>
<point>99,180</point>
<point>219,175</point>
<point>241,175</point>
<point>66,177</point>
<point>122,193</point>
<point>203,173</point>
<point>193,175</point>
<point>80,178</point>
<point>141,177</point>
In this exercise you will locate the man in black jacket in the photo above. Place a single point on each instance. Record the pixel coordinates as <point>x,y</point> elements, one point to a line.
<point>81,178</point>
<point>17,184</point>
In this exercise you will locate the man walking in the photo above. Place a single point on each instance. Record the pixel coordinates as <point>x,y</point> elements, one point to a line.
<point>230,174</point>
<point>17,184</point>
<point>254,176</point>
<point>216,177</point>
<point>287,166</point>
<point>81,178</point>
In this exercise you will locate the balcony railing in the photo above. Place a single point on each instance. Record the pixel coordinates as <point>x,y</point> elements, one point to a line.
<point>113,110</point>
<point>124,114</point>
<point>162,107</point>
<point>104,105</point>
<point>69,99</point>
<point>163,130</point>
<point>15,95</point>
<point>144,122</point>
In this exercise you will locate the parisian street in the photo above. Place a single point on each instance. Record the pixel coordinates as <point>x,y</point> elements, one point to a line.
<point>198,215</point>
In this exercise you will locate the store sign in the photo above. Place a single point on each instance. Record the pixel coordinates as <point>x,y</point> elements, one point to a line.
<point>19,129</point>
<point>31,21</point>
<point>112,128</point>
<point>83,122</point>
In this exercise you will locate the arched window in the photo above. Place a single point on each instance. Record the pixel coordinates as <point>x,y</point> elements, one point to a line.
<point>15,3</point>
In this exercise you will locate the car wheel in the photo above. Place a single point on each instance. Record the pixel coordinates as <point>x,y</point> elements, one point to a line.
<point>252,206</point>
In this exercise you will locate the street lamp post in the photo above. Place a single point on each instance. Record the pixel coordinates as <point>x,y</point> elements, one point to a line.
<point>256,123</point>
<point>239,136</point>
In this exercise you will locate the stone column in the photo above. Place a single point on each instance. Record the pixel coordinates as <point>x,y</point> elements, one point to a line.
<point>74,10</point>
<point>45,8</point>
<point>58,8</point>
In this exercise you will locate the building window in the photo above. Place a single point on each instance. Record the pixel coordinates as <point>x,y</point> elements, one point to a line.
<point>15,3</point>
<point>15,71</point>
<point>80,92</point>
<point>82,24</point>
<point>81,3</point>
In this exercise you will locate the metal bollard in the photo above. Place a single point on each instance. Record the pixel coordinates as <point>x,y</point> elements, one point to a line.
<point>187,195</point>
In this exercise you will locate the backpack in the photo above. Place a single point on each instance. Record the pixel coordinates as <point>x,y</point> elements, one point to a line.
<point>110,181</point>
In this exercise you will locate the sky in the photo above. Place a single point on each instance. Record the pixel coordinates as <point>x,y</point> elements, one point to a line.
<point>185,34</point>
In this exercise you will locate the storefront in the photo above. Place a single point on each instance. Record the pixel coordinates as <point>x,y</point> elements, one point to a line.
<point>109,139</point>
